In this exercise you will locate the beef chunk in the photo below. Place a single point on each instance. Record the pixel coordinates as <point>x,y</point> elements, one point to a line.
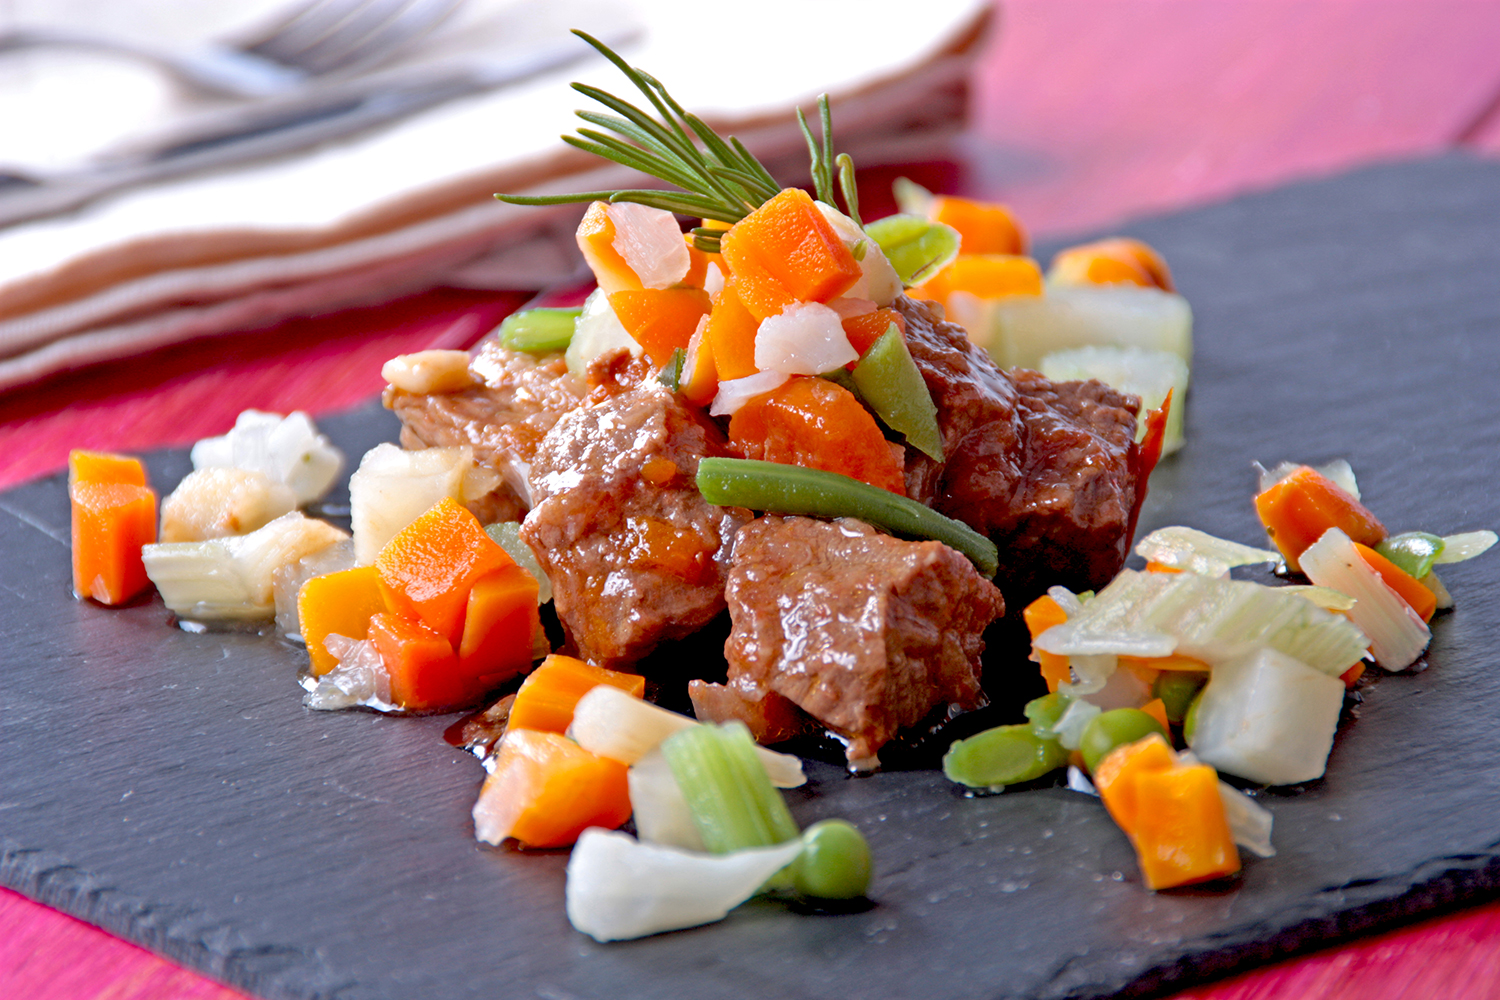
<point>770,717</point>
<point>868,634</point>
<point>1047,470</point>
<point>504,417</point>
<point>635,554</point>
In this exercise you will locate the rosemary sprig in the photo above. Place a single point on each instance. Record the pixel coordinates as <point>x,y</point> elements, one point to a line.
<point>717,178</point>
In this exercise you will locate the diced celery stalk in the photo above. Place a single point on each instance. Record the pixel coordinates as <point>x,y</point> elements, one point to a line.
<point>1149,374</point>
<point>1413,551</point>
<point>597,332</point>
<point>917,247</point>
<point>1019,330</point>
<point>734,804</point>
<point>1004,755</point>
<point>1267,717</point>
<point>888,380</point>
<point>660,810</point>
<point>1457,548</point>
<point>538,331</point>
<point>1157,614</point>
<point>1199,552</point>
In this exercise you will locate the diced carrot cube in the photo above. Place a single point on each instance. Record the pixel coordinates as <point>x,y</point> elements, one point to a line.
<point>1297,510</point>
<point>428,568</point>
<point>1040,615</point>
<point>865,329</point>
<point>499,624</point>
<point>1115,776</point>
<point>1112,261</point>
<point>785,252</point>
<point>661,320</point>
<point>700,372</point>
<point>422,665</point>
<point>104,467</point>
<point>545,790</point>
<point>547,697</point>
<point>596,239</point>
<point>1181,835</point>
<point>986,276</point>
<point>982,227</point>
<point>816,424</point>
<point>731,334</point>
<point>339,603</point>
<point>110,524</point>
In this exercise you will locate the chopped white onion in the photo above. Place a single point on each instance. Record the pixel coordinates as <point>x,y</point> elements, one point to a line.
<point>611,723</point>
<point>1074,720</point>
<point>425,372</point>
<point>220,501</point>
<point>1199,552</point>
<point>1267,717</point>
<point>1397,633</point>
<point>1249,822</point>
<point>360,679</point>
<point>878,280</point>
<point>619,888</point>
<point>713,281</point>
<point>287,581</point>
<point>651,243</point>
<point>736,392</point>
<point>393,487</point>
<point>805,338</point>
<point>1121,688</point>
<point>1339,472</point>
<point>288,449</point>
<point>660,810</point>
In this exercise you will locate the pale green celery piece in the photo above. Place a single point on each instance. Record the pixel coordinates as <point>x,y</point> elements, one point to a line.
<point>1457,548</point>
<point>538,331</point>
<point>888,380</point>
<point>1199,552</point>
<point>911,197</point>
<point>917,247</point>
<point>1149,374</point>
<point>1413,552</point>
<point>507,535</point>
<point>732,799</point>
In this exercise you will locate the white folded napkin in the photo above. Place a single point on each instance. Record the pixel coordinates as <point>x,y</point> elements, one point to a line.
<point>409,206</point>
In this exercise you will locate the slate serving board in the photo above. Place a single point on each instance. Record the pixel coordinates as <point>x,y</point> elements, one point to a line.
<point>171,788</point>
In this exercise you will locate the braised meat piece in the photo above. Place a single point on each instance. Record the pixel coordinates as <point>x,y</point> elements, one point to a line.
<point>867,633</point>
<point>1048,470</point>
<point>504,417</point>
<point>770,717</point>
<point>635,554</point>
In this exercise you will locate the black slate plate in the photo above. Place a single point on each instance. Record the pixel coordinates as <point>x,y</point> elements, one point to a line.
<point>170,787</point>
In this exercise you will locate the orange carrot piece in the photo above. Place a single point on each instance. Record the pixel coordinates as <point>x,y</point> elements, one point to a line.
<point>1111,261</point>
<point>110,524</point>
<point>1406,586</point>
<point>428,568</point>
<point>1181,835</point>
<point>596,239</point>
<point>1157,709</point>
<point>422,665</point>
<point>679,551</point>
<point>1156,567</point>
<point>698,262</point>
<point>104,467</point>
<point>1115,776</point>
<point>731,334</point>
<point>1040,615</point>
<point>339,603</point>
<point>499,625</point>
<point>1160,663</point>
<point>661,320</point>
<point>865,329</point>
<point>545,789</point>
<point>1297,510</point>
<point>546,699</point>
<point>982,227</point>
<point>987,276</point>
<point>786,251</point>
<point>816,424</point>
<point>700,372</point>
<point>1351,676</point>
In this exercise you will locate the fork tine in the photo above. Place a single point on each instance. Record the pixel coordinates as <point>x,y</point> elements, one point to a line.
<point>412,21</point>
<point>332,34</point>
<point>295,28</point>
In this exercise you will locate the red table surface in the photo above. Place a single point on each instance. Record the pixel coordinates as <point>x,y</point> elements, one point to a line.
<point>1086,113</point>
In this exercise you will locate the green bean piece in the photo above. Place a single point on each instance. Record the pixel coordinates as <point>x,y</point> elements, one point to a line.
<point>1412,551</point>
<point>1116,728</point>
<point>733,802</point>
<point>834,863</point>
<point>791,489</point>
<point>538,331</point>
<point>1005,755</point>
<point>888,380</point>
<point>917,247</point>
<point>1045,712</point>
<point>1177,689</point>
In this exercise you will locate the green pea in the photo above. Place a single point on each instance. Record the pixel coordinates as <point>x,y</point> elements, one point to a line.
<point>1190,720</point>
<point>1176,689</point>
<point>1115,728</point>
<point>834,863</point>
<point>1005,755</point>
<point>1045,712</point>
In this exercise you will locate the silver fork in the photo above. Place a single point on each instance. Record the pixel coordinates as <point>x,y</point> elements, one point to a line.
<point>313,38</point>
